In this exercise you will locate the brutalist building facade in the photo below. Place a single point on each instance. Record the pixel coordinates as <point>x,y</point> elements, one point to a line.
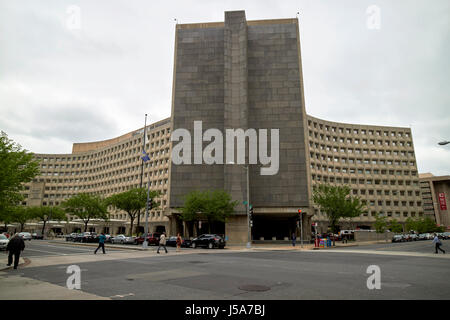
<point>242,74</point>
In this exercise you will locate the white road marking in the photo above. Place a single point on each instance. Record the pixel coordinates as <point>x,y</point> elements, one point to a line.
<point>121,296</point>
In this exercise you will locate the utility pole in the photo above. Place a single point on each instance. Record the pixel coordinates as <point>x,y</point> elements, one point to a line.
<point>142,168</point>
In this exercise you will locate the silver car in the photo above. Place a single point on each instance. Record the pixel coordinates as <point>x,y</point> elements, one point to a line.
<point>121,238</point>
<point>3,242</point>
<point>25,236</point>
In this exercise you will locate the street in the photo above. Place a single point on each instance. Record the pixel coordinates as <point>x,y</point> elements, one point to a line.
<point>244,274</point>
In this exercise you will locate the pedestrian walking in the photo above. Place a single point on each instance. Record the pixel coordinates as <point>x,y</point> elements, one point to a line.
<point>101,243</point>
<point>438,244</point>
<point>15,247</point>
<point>294,237</point>
<point>179,240</point>
<point>162,242</point>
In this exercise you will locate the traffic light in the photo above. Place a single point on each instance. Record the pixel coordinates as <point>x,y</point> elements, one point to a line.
<point>299,217</point>
<point>250,215</point>
<point>150,204</point>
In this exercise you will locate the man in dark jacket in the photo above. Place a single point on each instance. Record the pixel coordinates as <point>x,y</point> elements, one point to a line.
<point>15,247</point>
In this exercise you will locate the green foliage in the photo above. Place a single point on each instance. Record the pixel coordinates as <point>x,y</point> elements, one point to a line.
<point>336,203</point>
<point>86,207</point>
<point>22,215</point>
<point>210,205</point>
<point>46,214</point>
<point>380,224</point>
<point>395,226</point>
<point>132,202</point>
<point>17,166</point>
<point>423,225</point>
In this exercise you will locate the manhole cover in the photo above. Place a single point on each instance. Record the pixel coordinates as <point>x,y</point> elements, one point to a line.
<point>254,287</point>
<point>197,261</point>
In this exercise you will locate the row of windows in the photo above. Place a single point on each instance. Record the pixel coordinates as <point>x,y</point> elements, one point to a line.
<point>379,152</point>
<point>386,143</point>
<point>364,181</point>
<point>379,192</point>
<point>389,162</point>
<point>114,149</point>
<point>109,174</point>
<point>397,214</point>
<point>363,171</point>
<point>371,132</point>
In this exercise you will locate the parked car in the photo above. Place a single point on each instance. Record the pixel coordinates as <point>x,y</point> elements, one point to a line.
<point>38,236</point>
<point>3,242</point>
<point>88,237</point>
<point>186,243</point>
<point>152,239</point>
<point>398,238</point>
<point>78,237</point>
<point>414,237</point>
<point>429,236</point>
<point>422,236</point>
<point>121,238</point>
<point>171,241</point>
<point>25,235</point>
<point>446,235</point>
<point>71,237</point>
<point>209,240</point>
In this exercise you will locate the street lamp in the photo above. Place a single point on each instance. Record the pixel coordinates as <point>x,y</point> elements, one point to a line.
<point>246,167</point>
<point>443,143</point>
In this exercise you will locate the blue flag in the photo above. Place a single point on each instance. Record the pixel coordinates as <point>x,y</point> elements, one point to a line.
<point>145,157</point>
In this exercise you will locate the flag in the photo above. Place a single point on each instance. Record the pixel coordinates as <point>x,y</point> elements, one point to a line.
<point>145,157</point>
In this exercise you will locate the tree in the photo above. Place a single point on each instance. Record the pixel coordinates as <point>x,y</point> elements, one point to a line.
<point>17,167</point>
<point>86,207</point>
<point>46,214</point>
<point>395,226</point>
<point>380,224</point>
<point>336,203</point>
<point>132,202</point>
<point>21,215</point>
<point>210,205</point>
<point>6,216</point>
<point>411,225</point>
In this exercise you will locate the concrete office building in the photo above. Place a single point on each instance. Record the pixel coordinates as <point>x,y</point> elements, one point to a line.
<point>435,192</point>
<point>248,75</point>
<point>104,168</point>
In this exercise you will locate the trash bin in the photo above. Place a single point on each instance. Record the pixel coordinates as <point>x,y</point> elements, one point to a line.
<point>328,242</point>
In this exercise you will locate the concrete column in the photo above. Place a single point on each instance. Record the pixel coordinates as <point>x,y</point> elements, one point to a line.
<point>235,99</point>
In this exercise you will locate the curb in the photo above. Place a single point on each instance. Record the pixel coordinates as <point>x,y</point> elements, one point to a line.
<point>25,262</point>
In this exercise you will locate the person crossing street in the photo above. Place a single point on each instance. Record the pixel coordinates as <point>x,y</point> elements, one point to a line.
<point>437,243</point>
<point>162,242</point>
<point>15,246</point>
<point>101,243</point>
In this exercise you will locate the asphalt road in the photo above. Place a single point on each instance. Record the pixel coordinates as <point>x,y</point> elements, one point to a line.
<point>224,275</point>
<point>38,248</point>
<point>421,246</point>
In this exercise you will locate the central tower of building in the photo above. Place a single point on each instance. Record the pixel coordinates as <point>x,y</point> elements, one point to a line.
<point>241,74</point>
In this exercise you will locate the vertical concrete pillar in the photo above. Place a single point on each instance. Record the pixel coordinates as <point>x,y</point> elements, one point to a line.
<point>235,98</point>
<point>236,117</point>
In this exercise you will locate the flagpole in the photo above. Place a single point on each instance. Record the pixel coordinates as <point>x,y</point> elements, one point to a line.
<point>142,168</point>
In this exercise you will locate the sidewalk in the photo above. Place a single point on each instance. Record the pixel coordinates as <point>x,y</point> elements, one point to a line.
<point>17,287</point>
<point>4,261</point>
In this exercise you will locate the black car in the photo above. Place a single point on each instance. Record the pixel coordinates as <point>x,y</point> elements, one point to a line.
<point>85,237</point>
<point>172,242</point>
<point>209,241</point>
<point>186,243</point>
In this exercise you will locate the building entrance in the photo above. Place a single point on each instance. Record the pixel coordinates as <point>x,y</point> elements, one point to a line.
<point>273,228</point>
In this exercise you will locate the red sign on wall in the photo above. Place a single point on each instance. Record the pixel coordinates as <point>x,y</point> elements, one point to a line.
<point>442,202</point>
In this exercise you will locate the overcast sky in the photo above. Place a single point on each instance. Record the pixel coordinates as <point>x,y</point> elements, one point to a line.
<point>62,81</point>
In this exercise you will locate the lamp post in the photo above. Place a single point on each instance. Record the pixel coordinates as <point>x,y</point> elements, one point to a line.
<point>246,167</point>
